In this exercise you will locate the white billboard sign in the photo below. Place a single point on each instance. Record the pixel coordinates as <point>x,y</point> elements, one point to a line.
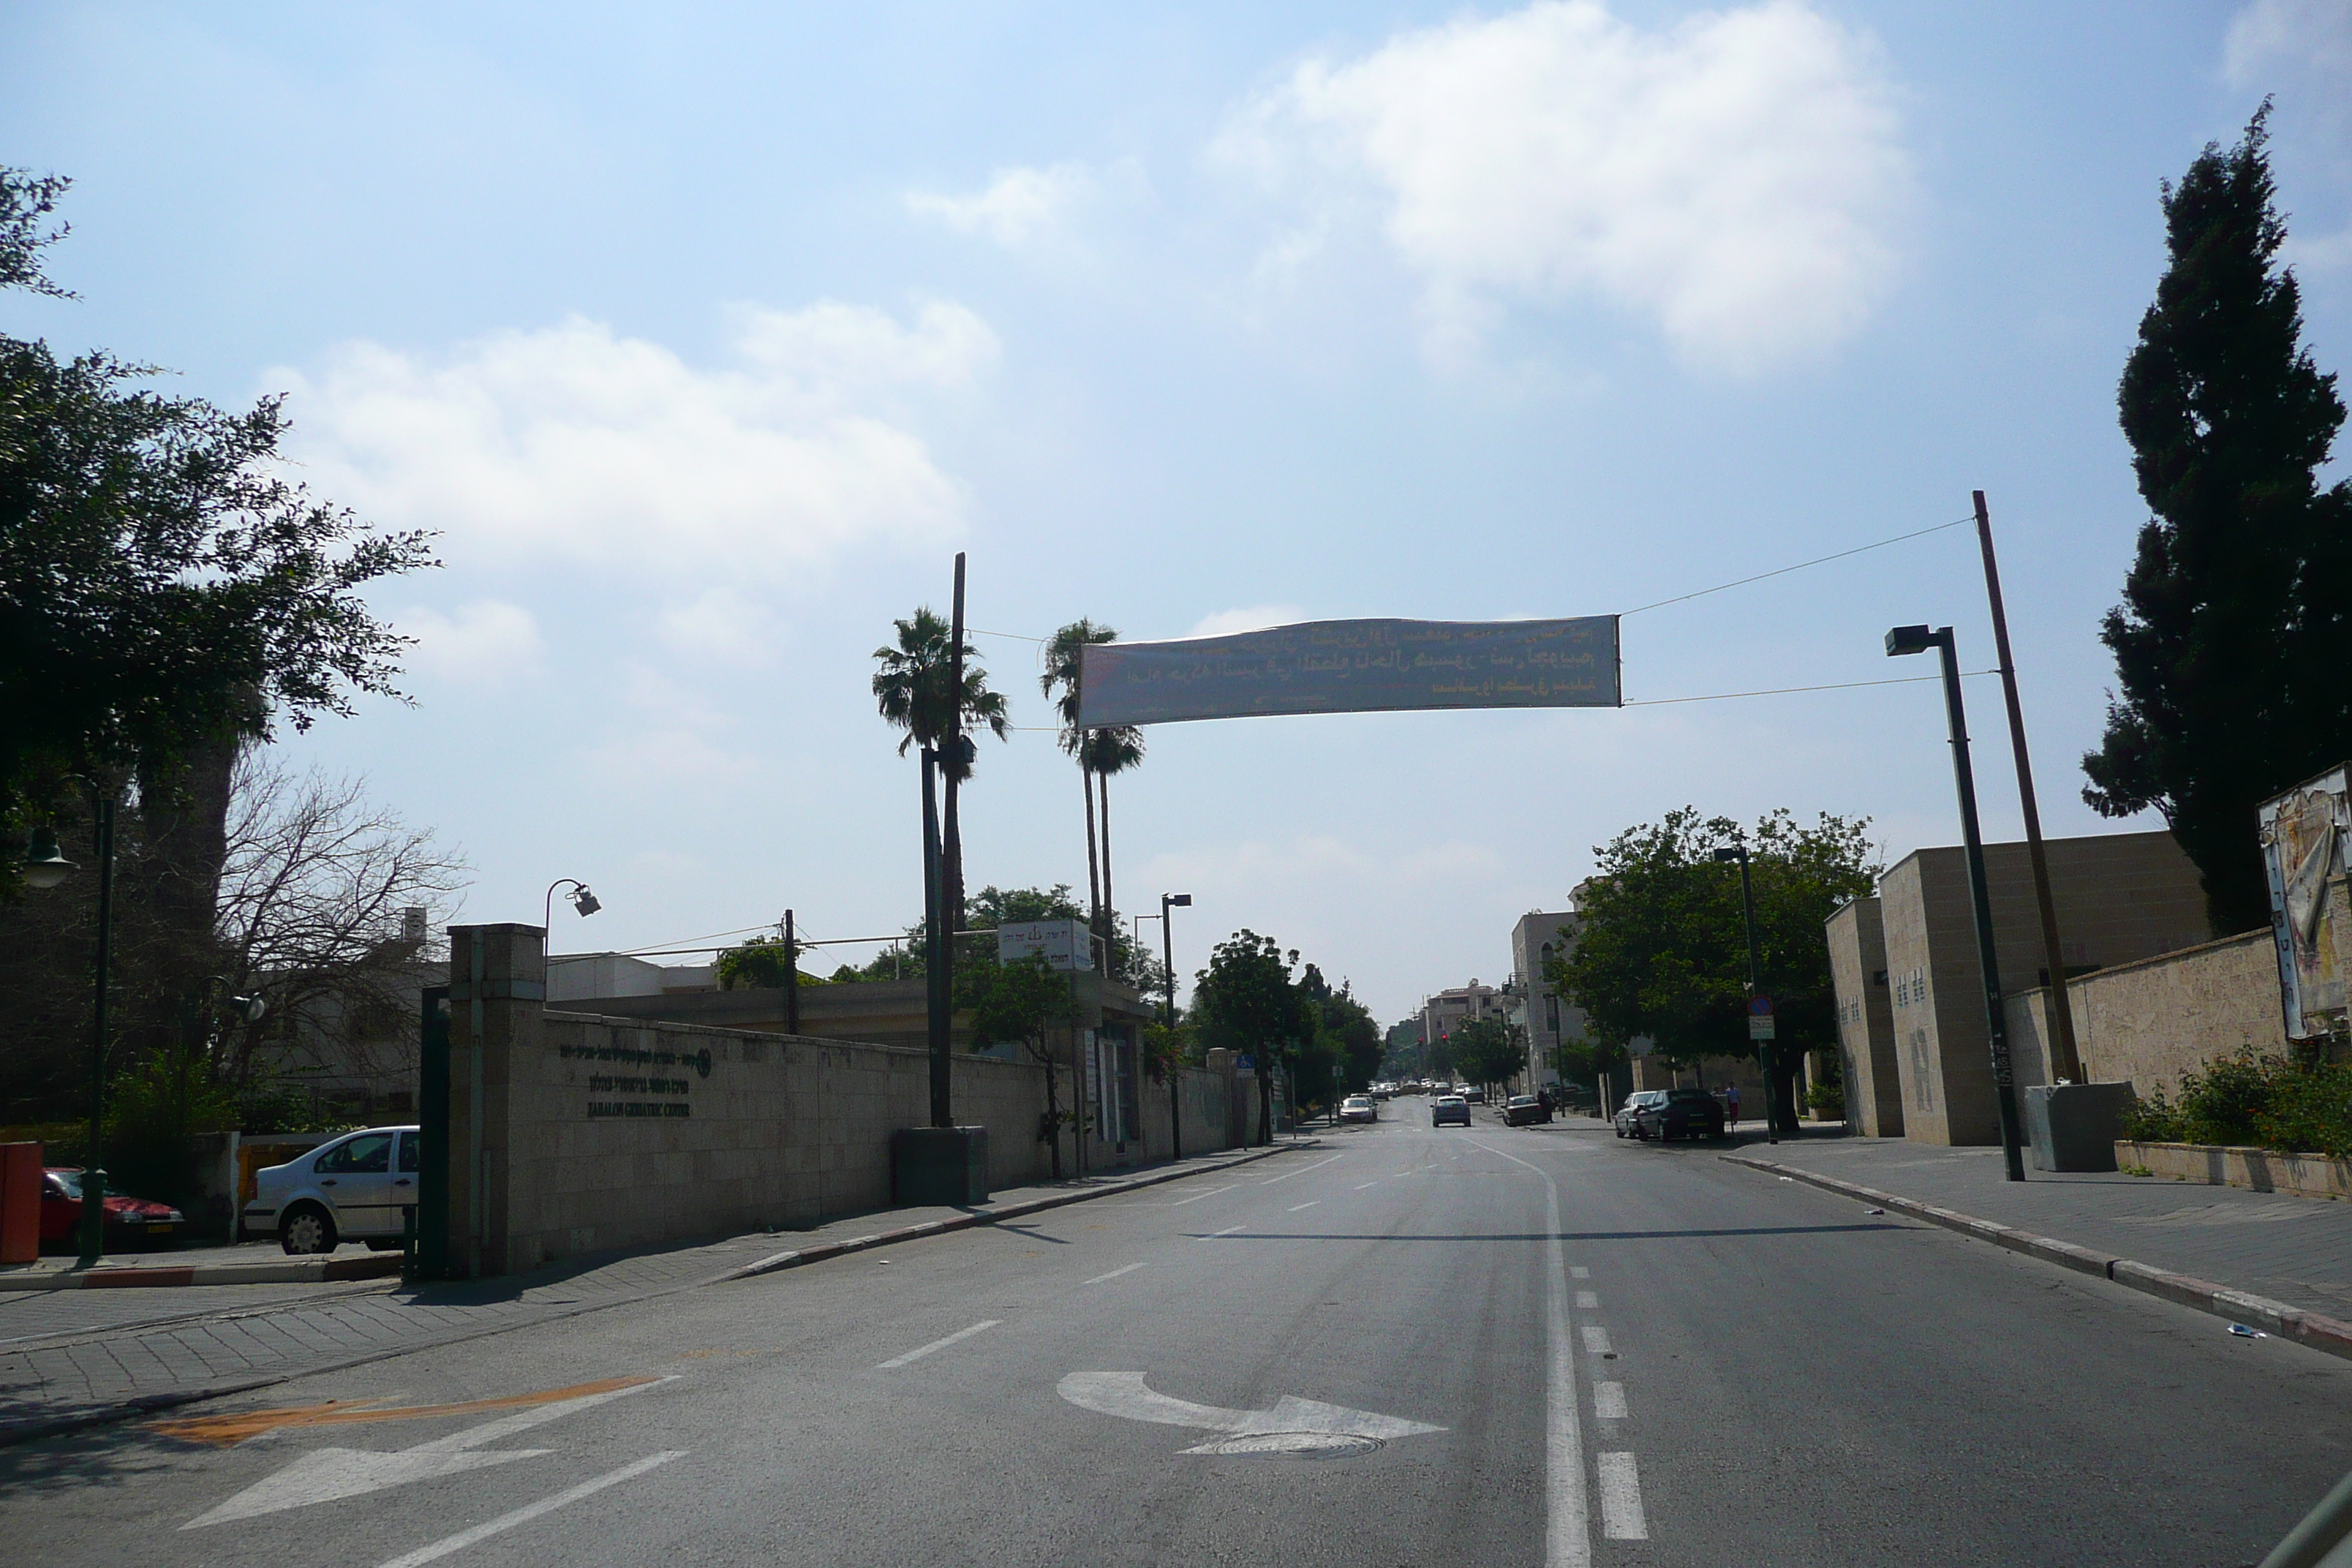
<point>1064,944</point>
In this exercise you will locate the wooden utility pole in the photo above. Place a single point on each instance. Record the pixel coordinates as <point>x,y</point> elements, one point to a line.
<point>2065,1060</point>
<point>791,978</point>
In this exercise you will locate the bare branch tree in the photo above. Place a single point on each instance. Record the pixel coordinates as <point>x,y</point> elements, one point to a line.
<point>315,917</point>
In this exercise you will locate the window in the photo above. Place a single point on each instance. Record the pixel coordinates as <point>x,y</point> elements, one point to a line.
<point>369,1154</point>
<point>412,1146</point>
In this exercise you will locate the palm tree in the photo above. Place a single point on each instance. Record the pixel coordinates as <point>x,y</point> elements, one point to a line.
<point>912,689</point>
<point>1103,751</point>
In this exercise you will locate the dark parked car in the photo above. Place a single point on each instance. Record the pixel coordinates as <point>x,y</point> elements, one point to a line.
<point>1680,1113</point>
<point>1522,1108</point>
<point>130,1223</point>
<point>1449,1108</point>
<point>1628,1117</point>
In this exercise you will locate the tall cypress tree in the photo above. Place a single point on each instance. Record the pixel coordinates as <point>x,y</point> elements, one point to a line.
<point>2233,653</point>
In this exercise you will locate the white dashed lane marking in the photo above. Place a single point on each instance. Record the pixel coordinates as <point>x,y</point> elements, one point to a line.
<point>1596,1339</point>
<point>1196,1198</point>
<point>1214,1234</point>
<point>1620,1499</point>
<point>1609,1400</point>
<point>1586,1301</point>
<point>1115,1273</point>
<point>921,1351</point>
<point>1579,1272</point>
<point>1309,1205</point>
<point>1304,1169</point>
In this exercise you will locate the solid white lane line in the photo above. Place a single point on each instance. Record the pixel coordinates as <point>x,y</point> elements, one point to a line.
<point>1586,1301</point>
<point>1568,1528</point>
<point>1214,1234</point>
<point>918,1353</point>
<point>1620,1499</point>
<point>1609,1400</point>
<point>1579,1272</point>
<point>1304,1169</point>
<point>1307,1204</point>
<point>524,1515</point>
<point>1196,1198</point>
<point>1114,1273</point>
<point>1596,1339</point>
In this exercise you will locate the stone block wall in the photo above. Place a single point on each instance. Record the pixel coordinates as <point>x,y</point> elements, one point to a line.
<point>2147,1023</point>
<point>574,1132</point>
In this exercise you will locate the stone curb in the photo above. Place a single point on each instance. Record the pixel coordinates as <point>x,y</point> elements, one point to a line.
<point>822,1250</point>
<point>293,1272</point>
<point>2320,1332</point>
<point>33,1428</point>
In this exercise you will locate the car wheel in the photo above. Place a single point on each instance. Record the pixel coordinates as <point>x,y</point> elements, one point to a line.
<point>306,1230</point>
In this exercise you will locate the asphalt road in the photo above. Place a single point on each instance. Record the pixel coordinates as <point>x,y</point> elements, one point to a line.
<point>1519,1346</point>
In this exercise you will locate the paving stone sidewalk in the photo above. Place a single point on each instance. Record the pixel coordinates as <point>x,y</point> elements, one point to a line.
<point>2291,1249</point>
<point>91,1363</point>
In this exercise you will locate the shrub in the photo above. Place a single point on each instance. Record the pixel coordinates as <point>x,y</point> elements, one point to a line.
<point>2265,1101</point>
<point>1828,1099</point>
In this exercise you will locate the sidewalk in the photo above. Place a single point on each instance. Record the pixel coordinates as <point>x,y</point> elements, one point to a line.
<point>2292,1250</point>
<point>86,1358</point>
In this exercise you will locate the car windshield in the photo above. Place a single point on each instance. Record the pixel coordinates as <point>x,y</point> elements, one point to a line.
<point>68,1180</point>
<point>1680,1096</point>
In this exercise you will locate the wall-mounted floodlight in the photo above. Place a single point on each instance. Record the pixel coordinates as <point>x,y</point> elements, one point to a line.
<point>44,865</point>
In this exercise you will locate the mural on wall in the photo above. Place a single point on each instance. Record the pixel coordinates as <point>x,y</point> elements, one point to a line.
<point>2303,837</point>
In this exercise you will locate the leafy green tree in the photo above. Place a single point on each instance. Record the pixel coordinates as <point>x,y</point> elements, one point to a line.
<point>1488,1051</point>
<point>1662,951</point>
<point>1025,1000</point>
<point>2235,631</point>
<point>762,963</point>
<point>915,690</point>
<point>164,587</point>
<point>1246,1001</point>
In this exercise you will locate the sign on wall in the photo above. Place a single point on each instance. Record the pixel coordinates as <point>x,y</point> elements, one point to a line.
<point>1353,666</point>
<point>1064,944</point>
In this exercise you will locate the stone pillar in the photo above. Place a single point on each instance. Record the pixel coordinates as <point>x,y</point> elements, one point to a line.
<point>498,1003</point>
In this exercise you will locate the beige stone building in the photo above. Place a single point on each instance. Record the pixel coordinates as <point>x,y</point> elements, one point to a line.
<point>1550,1019</point>
<point>1866,1020</point>
<point>2120,898</point>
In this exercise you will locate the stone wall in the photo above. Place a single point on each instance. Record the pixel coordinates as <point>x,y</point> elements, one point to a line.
<point>2147,1023</point>
<point>573,1132</point>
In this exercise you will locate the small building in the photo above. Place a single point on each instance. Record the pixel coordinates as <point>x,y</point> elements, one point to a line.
<point>1551,1020</point>
<point>2120,897</point>
<point>1866,1020</point>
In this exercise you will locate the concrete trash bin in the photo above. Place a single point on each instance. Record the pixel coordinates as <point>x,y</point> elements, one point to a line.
<point>2073,1126</point>
<point>939,1165</point>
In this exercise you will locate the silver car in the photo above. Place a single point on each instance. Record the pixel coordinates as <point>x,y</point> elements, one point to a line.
<point>356,1188</point>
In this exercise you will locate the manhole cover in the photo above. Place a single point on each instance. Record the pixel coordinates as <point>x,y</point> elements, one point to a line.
<point>1298,1445</point>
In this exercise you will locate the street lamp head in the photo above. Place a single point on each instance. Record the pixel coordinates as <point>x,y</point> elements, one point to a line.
<point>45,866</point>
<point>1176,901</point>
<point>1901,641</point>
<point>1737,852</point>
<point>583,900</point>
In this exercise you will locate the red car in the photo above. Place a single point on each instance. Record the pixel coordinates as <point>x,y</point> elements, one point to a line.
<point>129,1222</point>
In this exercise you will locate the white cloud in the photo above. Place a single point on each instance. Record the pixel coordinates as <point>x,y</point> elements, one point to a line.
<point>573,444</point>
<point>1018,205</point>
<point>1735,177</point>
<point>721,627</point>
<point>1253,617</point>
<point>487,641</point>
<point>2313,35</point>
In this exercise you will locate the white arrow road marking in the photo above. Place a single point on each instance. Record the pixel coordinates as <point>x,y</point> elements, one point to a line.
<point>529,1511</point>
<point>1125,1394</point>
<point>322,1475</point>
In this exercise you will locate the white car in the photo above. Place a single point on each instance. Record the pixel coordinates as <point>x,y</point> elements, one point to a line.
<point>1358,1108</point>
<point>354,1189</point>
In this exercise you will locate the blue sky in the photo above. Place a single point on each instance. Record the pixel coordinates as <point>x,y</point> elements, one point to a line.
<point>706,337</point>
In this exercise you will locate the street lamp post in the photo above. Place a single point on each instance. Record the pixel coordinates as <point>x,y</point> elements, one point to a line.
<point>1900,641</point>
<point>1769,1049</point>
<point>579,897</point>
<point>1168,978</point>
